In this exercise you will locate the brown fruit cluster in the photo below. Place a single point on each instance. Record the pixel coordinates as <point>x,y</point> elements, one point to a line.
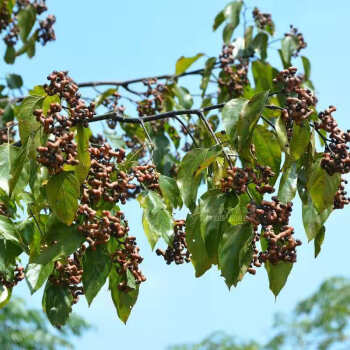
<point>272,216</point>
<point>299,102</point>
<point>147,176</point>
<point>69,274</point>
<point>46,32</point>
<point>127,258</point>
<point>9,23</point>
<point>177,252</point>
<point>3,209</point>
<point>336,157</point>
<point>100,230</point>
<point>262,19</point>
<point>154,98</point>
<point>340,199</point>
<point>18,277</point>
<point>238,179</point>
<point>65,87</point>
<point>233,77</point>
<point>61,149</point>
<point>104,181</point>
<point>7,133</point>
<point>300,38</point>
<point>112,104</point>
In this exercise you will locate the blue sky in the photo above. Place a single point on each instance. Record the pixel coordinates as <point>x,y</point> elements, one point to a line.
<point>116,40</point>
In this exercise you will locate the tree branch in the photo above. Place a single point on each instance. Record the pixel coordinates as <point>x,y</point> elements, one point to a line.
<point>140,80</point>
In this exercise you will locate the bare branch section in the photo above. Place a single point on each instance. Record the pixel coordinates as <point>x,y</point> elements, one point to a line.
<point>125,83</point>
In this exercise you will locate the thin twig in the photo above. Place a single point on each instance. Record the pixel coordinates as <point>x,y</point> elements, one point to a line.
<point>267,121</point>
<point>188,132</point>
<point>140,80</point>
<point>36,222</point>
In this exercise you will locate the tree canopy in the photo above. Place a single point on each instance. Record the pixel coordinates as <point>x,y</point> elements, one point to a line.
<point>319,322</point>
<point>250,142</point>
<point>27,329</point>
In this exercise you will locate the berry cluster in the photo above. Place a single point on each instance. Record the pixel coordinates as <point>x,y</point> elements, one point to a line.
<point>177,252</point>
<point>147,176</point>
<point>300,39</point>
<point>3,209</point>
<point>69,274</point>
<point>272,216</point>
<point>111,103</point>
<point>336,157</point>
<point>100,230</point>
<point>299,105</point>
<point>61,148</point>
<point>17,277</point>
<point>104,181</point>
<point>262,19</point>
<point>238,179</point>
<point>233,77</point>
<point>7,133</point>
<point>154,98</point>
<point>46,32</point>
<point>64,86</point>
<point>340,199</point>
<point>127,258</point>
<point>9,24</point>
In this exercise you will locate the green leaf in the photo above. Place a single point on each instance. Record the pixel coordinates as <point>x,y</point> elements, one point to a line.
<point>157,222</point>
<point>96,266</point>
<point>48,100</point>
<point>184,96</point>
<point>37,274</point>
<point>307,67</point>
<point>248,119</point>
<point>6,151</point>
<point>232,13</point>
<point>209,66</point>
<point>239,212</point>
<point>231,115</point>
<point>5,295</point>
<point>26,19</point>
<point>288,184</point>
<point>195,244</point>
<point>263,74</point>
<point>319,241</point>
<point>282,134</point>
<point>62,241</point>
<point>235,252</point>
<point>227,33</point>
<point>278,275</point>
<point>10,55</point>
<point>19,159</point>
<point>300,141</point>
<point>267,148</point>
<point>26,119</point>
<point>183,63</point>
<point>259,44</point>
<point>57,304</point>
<point>14,81</point>
<point>187,179</point>
<point>219,19</point>
<point>313,220</point>
<point>8,230</point>
<point>322,187</point>
<point>123,301</point>
<point>289,47</point>
<point>83,137</point>
<point>214,212</point>
<point>63,191</point>
<point>170,192</point>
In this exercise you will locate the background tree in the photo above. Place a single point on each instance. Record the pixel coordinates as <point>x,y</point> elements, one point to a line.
<point>68,183</point>
<point>320,322</point>
<point>27,329</point>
